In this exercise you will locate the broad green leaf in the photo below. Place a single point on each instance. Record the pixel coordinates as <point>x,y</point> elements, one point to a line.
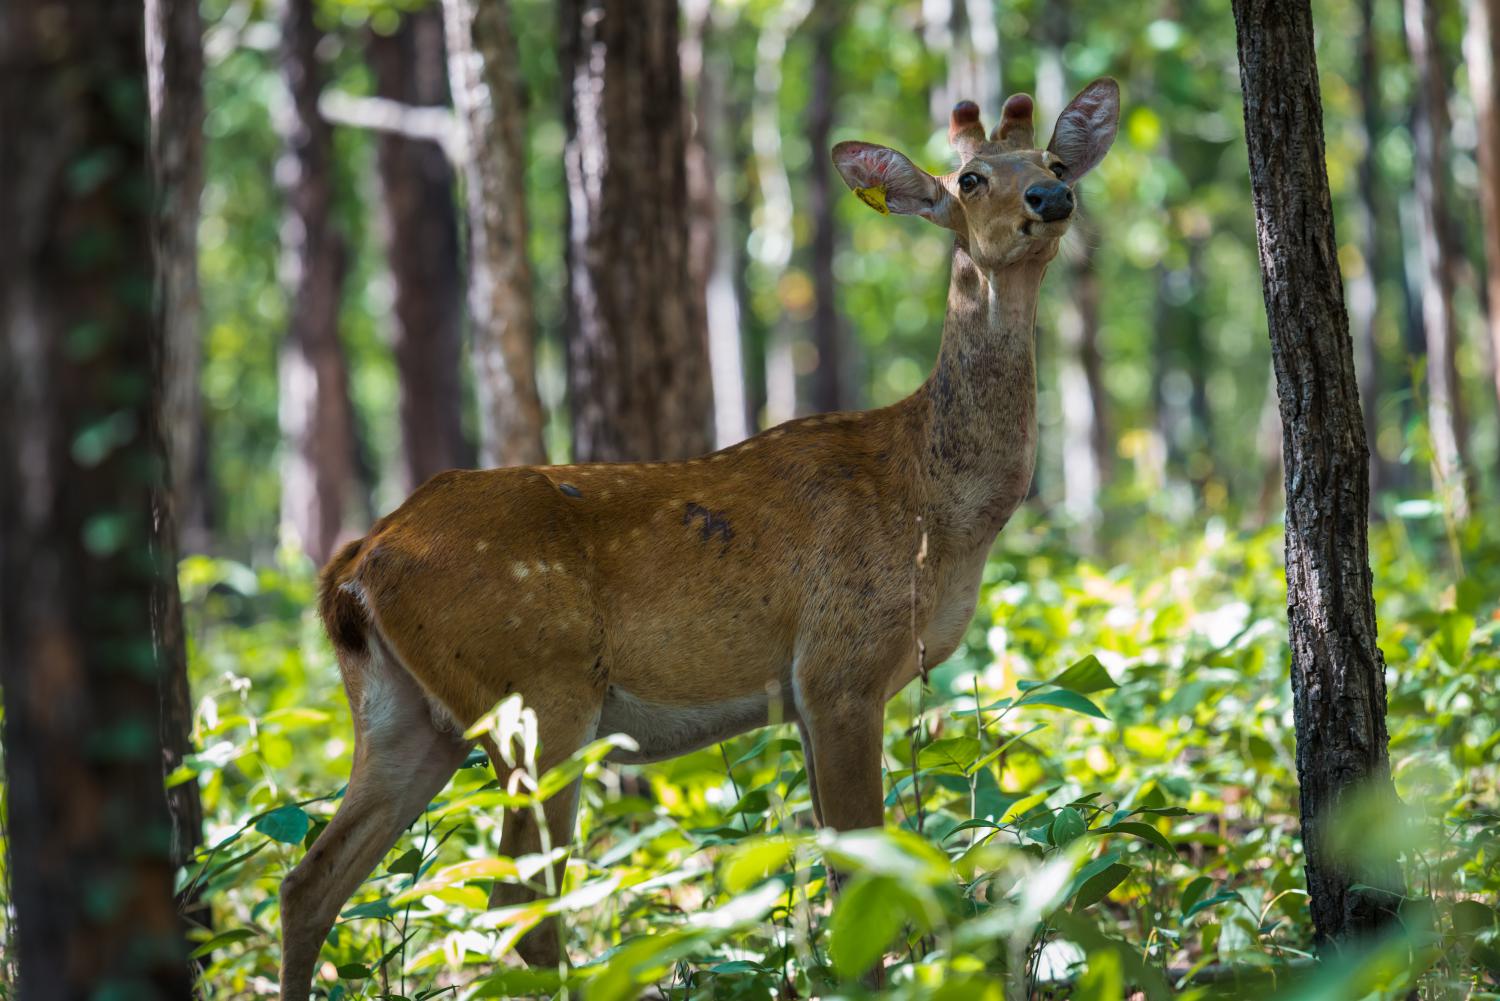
<point>950,753</point>
<point>353,971</point>
<point>407,864</point>
<point>1067,826</point>
<point>753,860</point>
<point>222,939</point>
<point>1062,700</point>
<point>1137,829</point>
<point>1097,886</point>
<point>866,919</point>
<point>1086,676</point>
<point>287,824</point>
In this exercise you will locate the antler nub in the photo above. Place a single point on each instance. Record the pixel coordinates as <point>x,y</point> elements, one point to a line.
<point>965,133</point>
<point>1015,129</point>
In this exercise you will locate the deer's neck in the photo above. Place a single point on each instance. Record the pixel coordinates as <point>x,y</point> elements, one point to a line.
<point>980,401</point>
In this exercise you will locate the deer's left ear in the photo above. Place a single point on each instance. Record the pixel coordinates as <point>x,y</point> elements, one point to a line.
<point>1086,129</point>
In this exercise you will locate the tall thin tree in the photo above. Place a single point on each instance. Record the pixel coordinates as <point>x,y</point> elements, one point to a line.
<point>1481,52</point>
<point>1338,674</point>
<point>488,94</point>
<point>421,223</point>
<point>1445,415</point>
<point>82,560</point>
<point>830,380</point>
<point>317,426</point>
<point>638,374</point>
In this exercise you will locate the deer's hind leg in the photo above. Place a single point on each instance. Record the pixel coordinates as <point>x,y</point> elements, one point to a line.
<point>402,759</point>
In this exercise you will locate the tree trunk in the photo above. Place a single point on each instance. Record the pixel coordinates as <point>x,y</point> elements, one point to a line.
<point>1445,422</point>
<point>1338,674</point>
<point>317,425</point>
<point>421,223</point>
<point>638,373</point>
<point>1481,51</point>
<point>174,54</point>
<point>1364,286</point>
<point>82,561</point>
<point>830,379</point>
<point>489,95</point>
<point>712,230</point>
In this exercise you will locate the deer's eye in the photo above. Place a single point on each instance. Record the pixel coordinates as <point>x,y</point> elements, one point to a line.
<point>1059,169</point>
<point>970,183</point>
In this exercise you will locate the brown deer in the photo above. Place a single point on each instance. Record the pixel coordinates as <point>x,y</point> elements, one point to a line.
<point>806,574</point>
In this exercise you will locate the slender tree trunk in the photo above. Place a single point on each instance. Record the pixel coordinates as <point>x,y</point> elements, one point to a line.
<point>1364,286</point>
<point>489,95</point>
<point>638,371</point>
<point>82,556</point>
<point>174,54</point>
<point>1338,674</point>
<point>774,237</point>
<point>1481,52</point>
<point>705,71</point>
<point>830,379</point>
<point>1445,421</point>
<point>317,428</point>
<point>421,224</point>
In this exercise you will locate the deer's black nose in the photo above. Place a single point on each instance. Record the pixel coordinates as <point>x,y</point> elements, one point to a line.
<point>1050,201</point>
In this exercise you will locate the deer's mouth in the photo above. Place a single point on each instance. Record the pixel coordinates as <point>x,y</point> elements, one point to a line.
<point>1038,229</point>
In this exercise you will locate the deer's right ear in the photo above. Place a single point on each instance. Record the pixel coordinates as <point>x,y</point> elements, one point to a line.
<point>887,181</point>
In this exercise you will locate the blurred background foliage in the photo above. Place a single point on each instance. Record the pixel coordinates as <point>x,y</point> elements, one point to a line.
<point>1133,825</point>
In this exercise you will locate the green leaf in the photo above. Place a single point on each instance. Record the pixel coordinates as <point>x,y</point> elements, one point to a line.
<point>1097,886</point>
<point>868,916</point>
<point>408,864</point>
<point>222,939</point>
<point>1063,700</point>
<point>754,801</point>
<point>949,754</point>
<point>1136,829</point>
<point>353,971</point>
<point>287,824</point>
<point>1067,825</point>
<point>1194,892</point>
<point>1088,675</point>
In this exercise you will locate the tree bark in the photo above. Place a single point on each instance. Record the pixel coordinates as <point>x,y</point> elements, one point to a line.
<point>1445,419</point>
<point>489,95</point>
<point>317,423</point>
<point>830,389</point>
<point>638,373</point>
<point>81,555</point>
<point>174,56</point>
<point>1338,674</point>
<point>421,222</point>
<point>1364,286</point>
<point>1481,51</point>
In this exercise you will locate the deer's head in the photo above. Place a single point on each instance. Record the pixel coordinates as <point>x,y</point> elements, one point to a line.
<point>1008,201</point>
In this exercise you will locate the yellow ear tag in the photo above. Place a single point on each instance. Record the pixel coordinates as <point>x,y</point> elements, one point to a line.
<point>874,197</point>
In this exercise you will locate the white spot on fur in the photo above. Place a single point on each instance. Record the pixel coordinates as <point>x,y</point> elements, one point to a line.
<point>520,570</point>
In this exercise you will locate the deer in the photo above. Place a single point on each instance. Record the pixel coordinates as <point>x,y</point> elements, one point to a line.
<point>805,575</point>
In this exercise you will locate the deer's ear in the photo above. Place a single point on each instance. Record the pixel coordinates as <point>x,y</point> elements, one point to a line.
<point>1086,129</point>
<point>887,181</point>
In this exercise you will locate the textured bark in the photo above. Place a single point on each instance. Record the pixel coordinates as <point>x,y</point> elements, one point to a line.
<point>317,425</point>
<point>421,222</point>
<point>488,94</point>
<point>830,379</point>
<point>1481,51</point>
<point>1445,419</point>
<point>1338,674</point>
<point>174,53</point>
<point>81,561</point>
<point>638,372</point>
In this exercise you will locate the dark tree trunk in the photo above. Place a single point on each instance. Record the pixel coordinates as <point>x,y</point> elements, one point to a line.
<point>1481,50</point>
<point>489,94</point>
<point>174,52</point>
<point>81,560</point>
<point>316,415</point>
<point>1338,674</point>
<point>1445,420</point>
<point>416,180</point>
<point>829,381</point>
<point>638,372</point>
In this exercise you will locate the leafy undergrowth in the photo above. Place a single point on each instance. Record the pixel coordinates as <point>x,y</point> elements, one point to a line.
<point>1095,796</point>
